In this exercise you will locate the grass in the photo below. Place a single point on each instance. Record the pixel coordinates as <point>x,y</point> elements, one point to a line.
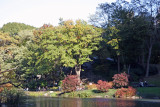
<point>90,93</point>
<point>81,94</point>
<point>155,80</point>
<point>145,92</point>
<point>42,93</point>
<point>149,92</point>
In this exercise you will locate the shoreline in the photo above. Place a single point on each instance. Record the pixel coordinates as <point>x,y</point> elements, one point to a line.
<point>98,95</point>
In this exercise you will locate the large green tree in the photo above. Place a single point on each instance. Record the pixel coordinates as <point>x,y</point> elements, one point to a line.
<point>68,44</point>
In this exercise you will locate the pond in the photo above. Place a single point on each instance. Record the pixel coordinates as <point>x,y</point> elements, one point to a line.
<point>86,102</point>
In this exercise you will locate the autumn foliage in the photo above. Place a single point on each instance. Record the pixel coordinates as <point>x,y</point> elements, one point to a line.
<point>120,80</point>
<point>103,86</point>
<point>125,92</point>
<point>8,86</point>
<point>92,86</point>
<point>70,83</point>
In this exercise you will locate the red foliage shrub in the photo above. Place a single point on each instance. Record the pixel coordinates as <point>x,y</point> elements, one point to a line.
<point>70,83</point>
<point>103,86</point>
<point>125,92</point>
<point>120,80</point>
<point>8,86</point>
<point>131,91</point>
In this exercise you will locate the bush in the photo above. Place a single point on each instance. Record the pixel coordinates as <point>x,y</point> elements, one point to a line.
<point>125,92</point>
<point>70,83</point>
<point>103,86</point>
<point>120,80</point>
<point>8,86</point>
<point>79,95</point>
<point>84,95</point>
<point>92,86</point>
<point>11,96</point>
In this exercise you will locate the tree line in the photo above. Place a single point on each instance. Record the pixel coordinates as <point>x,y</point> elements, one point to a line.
<point>127,32</point>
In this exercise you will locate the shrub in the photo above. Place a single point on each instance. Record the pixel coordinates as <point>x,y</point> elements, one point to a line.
<point>72,94</point>
<point>92,86</point>
<point>103,86</point>
<point>84,95</point>
<point>125,92</point>
<point>79,95</point>
<point>70,83</point>
<point>111,84</point>
<point>120,80</point>
<point>11,96</point>
<point>8,86</point>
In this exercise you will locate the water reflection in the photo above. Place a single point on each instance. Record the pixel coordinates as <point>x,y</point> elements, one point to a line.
<point>91,102</point>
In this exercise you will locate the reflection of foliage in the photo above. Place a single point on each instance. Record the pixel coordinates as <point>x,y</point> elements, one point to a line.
<point>120,80</point>
<point>125,103</point>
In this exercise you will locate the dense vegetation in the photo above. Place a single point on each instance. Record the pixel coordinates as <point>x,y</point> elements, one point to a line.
<point>121,37</point>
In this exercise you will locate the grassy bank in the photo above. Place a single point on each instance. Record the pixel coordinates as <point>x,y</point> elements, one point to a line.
<point>145,92</point>
<point>42,93</point>
<point>155,80</point>
<point>81,94</point>
<point>90,94</point>
<point>149,92</point>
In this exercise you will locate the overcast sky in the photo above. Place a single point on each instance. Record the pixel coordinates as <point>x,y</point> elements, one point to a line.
<point>39,12</point>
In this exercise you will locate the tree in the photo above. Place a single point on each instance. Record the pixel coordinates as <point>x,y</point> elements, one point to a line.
<point>136,22</point>
<point>113,40</point>
<point>68,44</point>
<point>79,39</point>
<point>149,8</point>
<point>14,28</point>
<point>12,52</point>
<point>7,70</point>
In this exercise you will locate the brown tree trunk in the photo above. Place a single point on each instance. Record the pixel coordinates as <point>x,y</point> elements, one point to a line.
<point>143,60</point>
<point>148,59</point>
<point>78,71</point>
<point>0,66</point>
<point>118,61</point>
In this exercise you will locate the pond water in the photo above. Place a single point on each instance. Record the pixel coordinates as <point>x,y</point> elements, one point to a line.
<point>86,102</point>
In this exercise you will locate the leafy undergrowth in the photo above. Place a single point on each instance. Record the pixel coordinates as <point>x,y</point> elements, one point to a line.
<point>149,92</point>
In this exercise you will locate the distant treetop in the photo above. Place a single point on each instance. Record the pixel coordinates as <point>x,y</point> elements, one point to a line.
<point>14,27</point>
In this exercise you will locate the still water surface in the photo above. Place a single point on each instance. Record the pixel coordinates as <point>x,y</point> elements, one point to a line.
<point>87,102</point>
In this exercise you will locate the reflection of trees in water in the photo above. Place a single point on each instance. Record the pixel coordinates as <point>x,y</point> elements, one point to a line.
<point>77,102</point>
<point>123,103</point>
<point>46,102</point>
<point>113,103</point>
<point>93,102</point>
<point>71,102</point>
<point>102,103</point>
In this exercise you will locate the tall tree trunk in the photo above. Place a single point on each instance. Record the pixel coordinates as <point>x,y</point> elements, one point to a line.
<point>129,69</point>
<point>143,60</point>
<point>148,59</point>
<point>118,61</point>
<point>78,71</point>
<point>0,66</point>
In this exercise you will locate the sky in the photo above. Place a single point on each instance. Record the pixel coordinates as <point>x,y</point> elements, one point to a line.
<point>39,12</point>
